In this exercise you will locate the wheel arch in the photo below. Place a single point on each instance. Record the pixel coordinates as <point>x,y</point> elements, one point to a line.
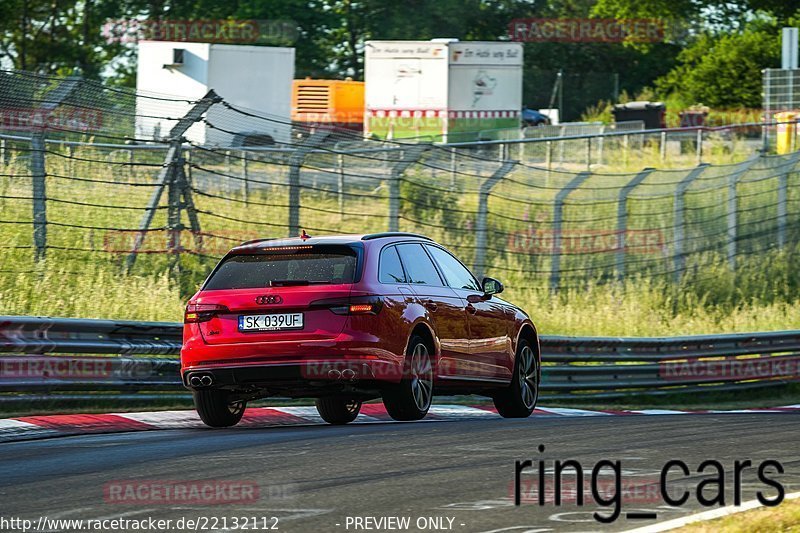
<point>422,329</point>
<point>528,332</point>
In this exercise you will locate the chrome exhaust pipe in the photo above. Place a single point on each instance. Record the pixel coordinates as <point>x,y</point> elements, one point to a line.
<point>349,374</point>
<point>206,380</point>
<point>334,374</point>
<point>194,381</point>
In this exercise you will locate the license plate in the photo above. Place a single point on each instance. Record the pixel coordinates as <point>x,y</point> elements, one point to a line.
<point>274,322</point>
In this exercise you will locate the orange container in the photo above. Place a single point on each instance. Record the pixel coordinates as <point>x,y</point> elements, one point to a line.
<point>328,102</point>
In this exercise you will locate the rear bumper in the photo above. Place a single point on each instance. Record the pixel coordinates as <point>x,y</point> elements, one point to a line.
<point>280,374</point>
<point>359,356</point>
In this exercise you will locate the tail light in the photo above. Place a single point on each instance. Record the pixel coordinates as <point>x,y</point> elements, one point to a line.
<point>202,312</point>
<point>361,305</point>
<point>360,309</point>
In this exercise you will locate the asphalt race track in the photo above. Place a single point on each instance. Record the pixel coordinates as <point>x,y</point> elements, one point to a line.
<point>312,478</point>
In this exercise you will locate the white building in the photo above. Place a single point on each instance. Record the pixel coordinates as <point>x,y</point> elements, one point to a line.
<point>442,88</point>
<point>255,78</point>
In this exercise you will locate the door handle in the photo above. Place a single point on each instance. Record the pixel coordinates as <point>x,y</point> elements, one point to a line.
<point>471,309</point>
<point>431,305</point>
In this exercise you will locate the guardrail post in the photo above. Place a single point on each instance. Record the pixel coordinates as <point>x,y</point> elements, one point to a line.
<point>558,219</point>
<point>481,222</point>
<point>408,158</point>
<point>622,219</point>
<point>37,166</point>
<point>783,186</point>
<point>678,227</point>
<point>295,162</point>
<point>733,199</point>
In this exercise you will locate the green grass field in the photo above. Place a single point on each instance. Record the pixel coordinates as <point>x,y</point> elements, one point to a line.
<point>84,274</point>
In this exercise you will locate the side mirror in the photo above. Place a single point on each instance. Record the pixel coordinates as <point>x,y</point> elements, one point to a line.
<point>492,286</point>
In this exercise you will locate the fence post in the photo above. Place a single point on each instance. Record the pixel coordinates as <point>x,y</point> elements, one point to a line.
<point>453,169</point>
<point>39,195</point>
<point>71,159</point>
<point>733,199</point>
<point>783,186</point>
<point>408,158</point>
<point>173,202</point>
<point>131,171</point>
<point>622,219</point>
<point>601,144</point>
<point>558,219</point>
<point>245,178</point>
<point>166,174</point>
<point>295,162</point>
<point>663,146</point>
<point>481,221</point>
<point>678,212</point>
<point>699,145</point>
<point>767,102</point>
<point>626,145</point>
<point>340,182</point>
<point>183,184</point>
<point>588,153</point>
<point>37,167</point>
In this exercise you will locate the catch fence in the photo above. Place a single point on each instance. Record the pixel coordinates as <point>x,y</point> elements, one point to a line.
<point>75,192</point>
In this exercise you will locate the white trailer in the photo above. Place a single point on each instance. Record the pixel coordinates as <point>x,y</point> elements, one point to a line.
<point>445,89</point>
<point>255,78</point>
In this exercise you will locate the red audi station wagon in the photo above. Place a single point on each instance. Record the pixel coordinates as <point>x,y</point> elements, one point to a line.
<point>350,318</point>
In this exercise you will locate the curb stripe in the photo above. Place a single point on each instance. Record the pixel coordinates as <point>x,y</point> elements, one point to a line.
<point>86,423</point>
<point>258,416</point>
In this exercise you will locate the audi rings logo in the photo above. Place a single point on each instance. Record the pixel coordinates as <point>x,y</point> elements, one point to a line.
<point>268,299</point>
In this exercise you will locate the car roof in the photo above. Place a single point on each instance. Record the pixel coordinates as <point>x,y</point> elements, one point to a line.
<point>325,239</point>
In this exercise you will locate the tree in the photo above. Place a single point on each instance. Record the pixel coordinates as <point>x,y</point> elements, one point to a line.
<point>724,70</point>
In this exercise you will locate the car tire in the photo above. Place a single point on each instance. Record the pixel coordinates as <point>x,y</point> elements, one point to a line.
<point>338,410</point>
<point>215,408</point>
<point>411,398</point>
<point>518,400</point>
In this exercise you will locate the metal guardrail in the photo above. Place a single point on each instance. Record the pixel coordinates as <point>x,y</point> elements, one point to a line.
<point>37,358</point>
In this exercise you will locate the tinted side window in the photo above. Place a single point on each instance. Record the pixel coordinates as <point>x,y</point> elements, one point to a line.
<point>456,274</point>
<point>390,270</point>
<point>418,265</point>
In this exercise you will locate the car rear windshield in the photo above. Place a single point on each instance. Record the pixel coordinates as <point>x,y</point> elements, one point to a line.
<point>286,267</point>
